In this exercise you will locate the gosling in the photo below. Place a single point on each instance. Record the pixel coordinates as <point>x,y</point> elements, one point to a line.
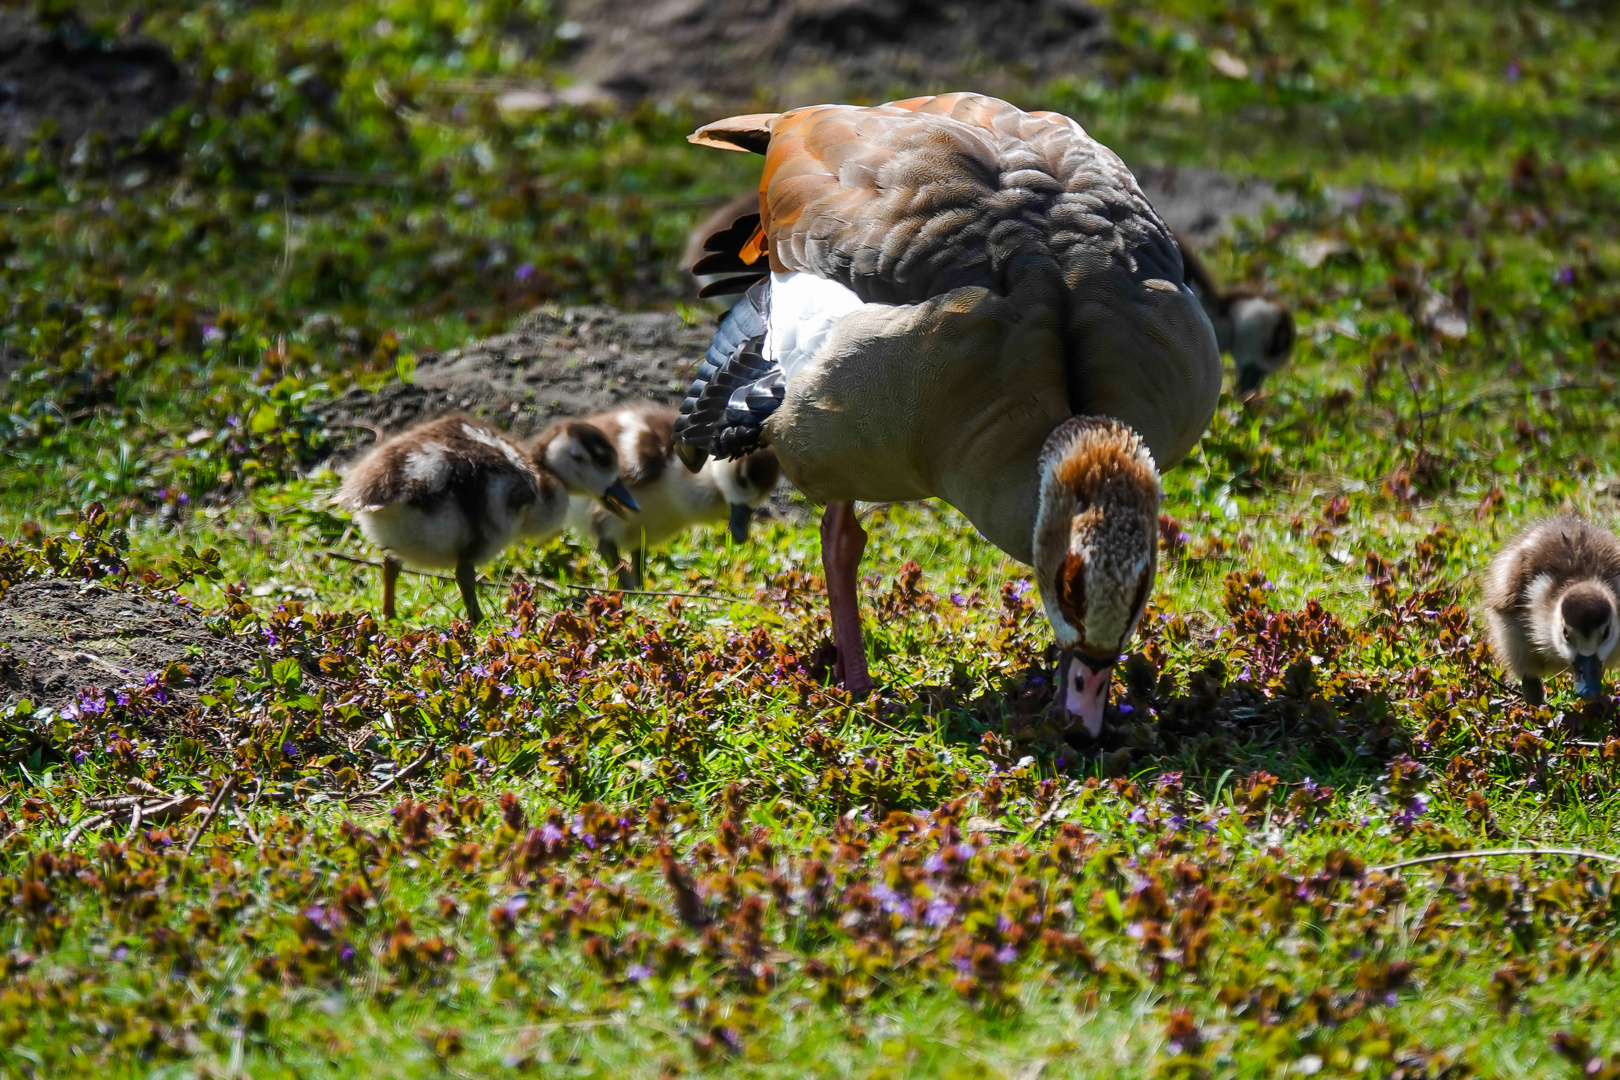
<point>671,497</point>
<point>1552,601</point>
<point>1255,331</point>
<point>454,492</point>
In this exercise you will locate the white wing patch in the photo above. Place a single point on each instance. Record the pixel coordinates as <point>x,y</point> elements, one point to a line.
<point>631,426</point>
<point>427,463</point>
<point>804,309</point>
<point>489,438</point>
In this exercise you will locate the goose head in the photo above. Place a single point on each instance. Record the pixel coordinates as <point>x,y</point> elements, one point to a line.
<point>585,461</point>
<point>1262,338</point>
<point>1584,627</point>
<point>1096,546</point>
<point>745,484</point>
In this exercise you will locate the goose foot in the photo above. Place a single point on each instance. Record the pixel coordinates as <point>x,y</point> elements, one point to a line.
<point>390,571</point>
<point>842,543</point>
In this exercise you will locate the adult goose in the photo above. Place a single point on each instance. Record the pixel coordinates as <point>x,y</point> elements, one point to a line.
<point>950,297</point>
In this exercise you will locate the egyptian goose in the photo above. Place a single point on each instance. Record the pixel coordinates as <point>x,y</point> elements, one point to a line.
<point>454,492</point>
<point>671,498</point>
<point>1552,601</point>
<point>947,296</point>
<point>1257,332</point>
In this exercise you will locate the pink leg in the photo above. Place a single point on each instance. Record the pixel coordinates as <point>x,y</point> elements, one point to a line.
<point>842,542</point>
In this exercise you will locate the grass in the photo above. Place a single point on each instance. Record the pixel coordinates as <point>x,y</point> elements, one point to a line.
<point>645,838</point>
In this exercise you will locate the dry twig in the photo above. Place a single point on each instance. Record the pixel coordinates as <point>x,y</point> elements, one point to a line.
<point>208,818</point>
<point>1495,853</point>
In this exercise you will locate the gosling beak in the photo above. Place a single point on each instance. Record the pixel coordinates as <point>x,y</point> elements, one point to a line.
<point>1085,689</point>
<point>618,500</point>
<point>1588,677</point>
<point>1249,379</point>
<point>741,515</point>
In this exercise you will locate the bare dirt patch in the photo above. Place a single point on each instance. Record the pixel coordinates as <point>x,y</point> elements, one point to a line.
<point>556,362</point>
<point>1199,203</point>
<point>81,82</point>
<point>61,638</point>
<point>795,52</point>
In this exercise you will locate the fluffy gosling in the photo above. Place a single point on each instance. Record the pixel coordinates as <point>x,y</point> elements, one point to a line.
<point>1256,331</point>
<point>1552,601</point>
<point>454,492</point>
<point>671,497</point>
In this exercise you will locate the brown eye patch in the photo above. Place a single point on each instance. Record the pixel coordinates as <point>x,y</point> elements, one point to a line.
<point>1071,591</point>
<point>1586,610</point>
<point>596,444</point>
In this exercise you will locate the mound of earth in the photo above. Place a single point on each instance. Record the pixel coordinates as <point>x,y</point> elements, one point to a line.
<point>82,81</point>
<point>795,52</point>
<point>58,638</point>
<point>556,362</point>
<point>1200,203</point>
<point>574,361</point>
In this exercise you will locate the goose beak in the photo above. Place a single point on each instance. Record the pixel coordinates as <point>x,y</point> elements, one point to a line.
<point>741,515</point>
<point>1085,690</point>
<point>618,500</point>
<point>1588,677</point>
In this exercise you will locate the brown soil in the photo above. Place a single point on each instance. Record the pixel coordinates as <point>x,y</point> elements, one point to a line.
<point>1199,203</point>
<point>556,362</point>
<point>58,638</point>
<point>795,52</point>
<point>82,82</point>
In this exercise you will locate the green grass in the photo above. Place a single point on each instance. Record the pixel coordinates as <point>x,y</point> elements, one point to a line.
<point>709,861</point>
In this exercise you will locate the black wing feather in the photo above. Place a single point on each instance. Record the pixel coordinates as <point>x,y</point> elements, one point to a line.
<point>736,388</point>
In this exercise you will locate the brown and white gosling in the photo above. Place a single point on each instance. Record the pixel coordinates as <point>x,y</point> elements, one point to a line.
<point>671,497</point>
<point>454,492</point>
<point>1254,330</point>
<point>1552,601</point>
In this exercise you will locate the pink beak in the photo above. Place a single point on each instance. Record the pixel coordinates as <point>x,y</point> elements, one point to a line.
<point>1085,691</point>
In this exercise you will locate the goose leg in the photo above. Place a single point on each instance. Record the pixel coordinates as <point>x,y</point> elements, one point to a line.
<point>638,568</point>
<point>390,570</point>
<point>1533,693</point>
<point>467,580</point>
<point>842,543</point>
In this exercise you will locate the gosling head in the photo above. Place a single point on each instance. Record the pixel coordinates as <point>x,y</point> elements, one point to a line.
<point>745,484</point>
<point>1585,624</point>
<point>585,461</point>
<point>1096,548</point>
<point>1262,339</point>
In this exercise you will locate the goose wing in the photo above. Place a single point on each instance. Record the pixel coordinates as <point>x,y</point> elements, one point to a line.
<point>904,202</point>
